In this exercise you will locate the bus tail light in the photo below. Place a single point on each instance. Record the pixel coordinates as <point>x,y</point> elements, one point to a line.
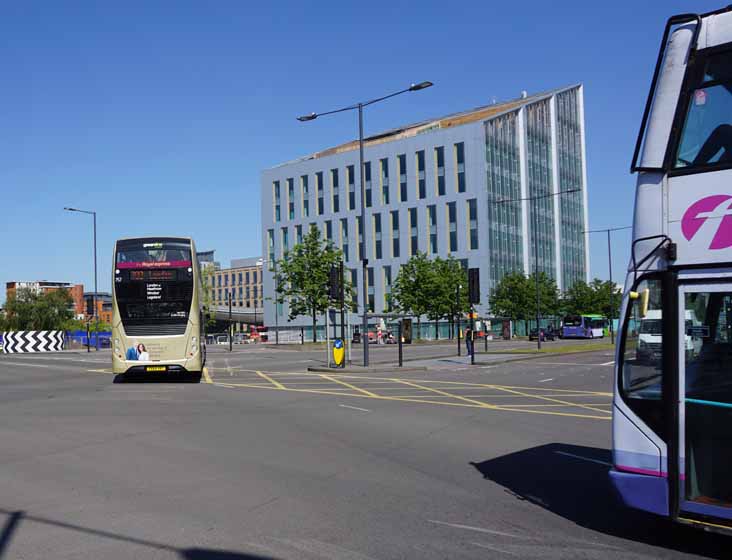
<point>116,346</point>
<point>194,347</point>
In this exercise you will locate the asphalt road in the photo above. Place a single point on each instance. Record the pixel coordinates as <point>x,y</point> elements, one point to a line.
<point>265,460</point>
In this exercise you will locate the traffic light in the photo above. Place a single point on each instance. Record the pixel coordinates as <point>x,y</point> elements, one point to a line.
<point>90,306</point>
<point>334,283</point>
<point>473,285</point>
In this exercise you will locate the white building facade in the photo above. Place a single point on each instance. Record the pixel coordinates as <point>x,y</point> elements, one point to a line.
<point>484,186</point>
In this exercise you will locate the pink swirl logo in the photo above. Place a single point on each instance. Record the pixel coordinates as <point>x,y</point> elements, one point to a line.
<point>717,207</point>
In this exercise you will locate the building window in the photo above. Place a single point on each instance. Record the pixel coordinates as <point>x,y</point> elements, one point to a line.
<point>246,277</point>
<point>219,295</point>
<point>285,241</point>
<point>334,187</point>
<point>421,182</point>
<point>377,236</point>
<point>387,289</point>
<point>384,165</point>
<point>414,232</point>
<point>402,163</point>
<point>226,279</point>
<point>276,194</point>
<point>240,278</point>
<point>218,278</point>
<point>329,231</point>
<point>395,233</point>
<point>305,189</point>
<point>351,180</point>
<point>473,224</point>
<point>354,285</point>
<point>367,182</point>
<point>254,276</point>
<point>432,225</point>
<point>360,237</point>
<point>370,287</point>
<point>291,199</point>
<point>452,226</point>
<point>319,188</point>
<point>344,238</point>
<point>440,169</point>
<point>248,292</point>
<point>460,166</point>
<point>298,235</point>
<point>241,291</point>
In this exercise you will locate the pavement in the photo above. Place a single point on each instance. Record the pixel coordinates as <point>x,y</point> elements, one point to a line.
<point>265,460</point>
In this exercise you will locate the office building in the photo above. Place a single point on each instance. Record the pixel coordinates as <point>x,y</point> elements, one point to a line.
<point>243,280</point>
<point>484,186</point>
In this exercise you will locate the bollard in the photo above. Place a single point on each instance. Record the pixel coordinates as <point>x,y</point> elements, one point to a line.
<point>401,340</point>
<point>302,336</point>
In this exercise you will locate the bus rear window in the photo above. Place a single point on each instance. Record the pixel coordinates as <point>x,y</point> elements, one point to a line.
<point>139,255</point>
<point>572,321</point>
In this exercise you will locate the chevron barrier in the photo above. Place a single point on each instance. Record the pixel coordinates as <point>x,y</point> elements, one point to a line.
<point>15,342</point>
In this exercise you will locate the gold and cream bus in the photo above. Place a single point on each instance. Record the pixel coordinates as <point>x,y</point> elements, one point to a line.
<point>157,313</point>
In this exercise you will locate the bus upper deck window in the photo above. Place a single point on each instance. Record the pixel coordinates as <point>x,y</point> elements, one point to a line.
<point>706,138</point>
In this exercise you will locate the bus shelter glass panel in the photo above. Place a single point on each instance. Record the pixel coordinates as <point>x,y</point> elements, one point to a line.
<point>706,466</point>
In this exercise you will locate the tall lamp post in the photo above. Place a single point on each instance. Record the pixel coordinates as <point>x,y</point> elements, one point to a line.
<point>534,227</point>
<point>94,296</point>
<point>609,267</point>
<point>364,261</point>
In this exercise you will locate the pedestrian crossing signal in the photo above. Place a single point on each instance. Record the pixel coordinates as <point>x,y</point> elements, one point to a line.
<point>473,285</point>
<point>334,283</point>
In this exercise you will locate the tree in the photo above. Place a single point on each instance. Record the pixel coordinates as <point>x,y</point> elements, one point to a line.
<point>578,298</point>
<point>27,310</point>
<point>207,275</point>
<point>301,277</point>
<point>515,297</point>
<point>414,287</point>
<point>449,274</point>
<point>600,297</point>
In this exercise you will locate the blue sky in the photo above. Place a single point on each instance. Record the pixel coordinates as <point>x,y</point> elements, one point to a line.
<point>160,114</point>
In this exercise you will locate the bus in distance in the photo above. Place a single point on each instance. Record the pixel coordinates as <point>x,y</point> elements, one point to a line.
<point>157,315</point>
<point>584,326</point>
<point>672,403</point>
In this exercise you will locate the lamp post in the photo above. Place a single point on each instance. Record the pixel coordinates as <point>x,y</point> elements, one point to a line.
<point>94,296</point>
<point>535,225</point>
<point>364,261</point>
<point>609,268</point>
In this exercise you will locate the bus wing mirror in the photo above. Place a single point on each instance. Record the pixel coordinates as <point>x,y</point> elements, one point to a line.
<point>644,297</point>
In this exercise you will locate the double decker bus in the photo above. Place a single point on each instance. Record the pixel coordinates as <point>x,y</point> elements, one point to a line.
<point>672,405</point>
<point>157,314</point>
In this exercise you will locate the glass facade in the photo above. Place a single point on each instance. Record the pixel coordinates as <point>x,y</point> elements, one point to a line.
<point>351,180</point>
<point>387,289</point>
<point>344,239</point>
<point>370,287</point>
<point>504,183</point>
<point>367,182</point>
<point>270,250</point>
<point>335,189</point>
<point>571,206</point>
<point>377,236</point>
<point>276,197</point>
<point>290,199</point>
<point>285,241</point>
<point>472,224</point>
<point>298,234</point>
<point>421,181</point>
<point>452,227</point>
<point>432,228</point>
<point>395,233</point>
<point>413,232</point>
<point>305,196</point>
<point>540,187</point>
<point>460,167</point>
<point>319,188</point>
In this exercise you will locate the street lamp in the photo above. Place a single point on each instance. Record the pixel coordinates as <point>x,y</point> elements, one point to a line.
<point>364,261</point>
<point>609,267</point>
<point>536,251</point>
<point>94,296</point>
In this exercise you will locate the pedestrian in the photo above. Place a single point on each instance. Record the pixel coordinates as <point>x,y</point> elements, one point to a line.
<point>469,340</point>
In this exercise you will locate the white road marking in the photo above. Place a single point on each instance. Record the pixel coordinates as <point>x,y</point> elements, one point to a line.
<point>3,362</point>
<point>478,529</point>
<point>608,363</point>
<point>584,458</point>
<point>493,548</point>
<point>545,380</point>
<point>354,408</point>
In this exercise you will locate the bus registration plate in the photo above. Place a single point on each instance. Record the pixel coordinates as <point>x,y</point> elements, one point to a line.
<point>156,368</point>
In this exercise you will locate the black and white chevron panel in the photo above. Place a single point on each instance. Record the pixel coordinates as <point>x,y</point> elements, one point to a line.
<point>16,342</point>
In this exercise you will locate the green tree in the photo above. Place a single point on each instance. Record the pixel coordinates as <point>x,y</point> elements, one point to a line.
<point>578,298</point>
<point>449,274</point>
<point>599,297</point>
<point>607,298</point>
<point>207,275</point>
<point>514,297</point>
<point>28,310</point>
<point>414,287</point>
<point>301,277</point>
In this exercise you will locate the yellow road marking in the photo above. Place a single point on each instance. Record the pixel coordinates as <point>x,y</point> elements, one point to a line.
<point>206,376</point>
<point>567,403</point>
<point>272,381</point>
<point>479,403</point>
<point>364,391</point>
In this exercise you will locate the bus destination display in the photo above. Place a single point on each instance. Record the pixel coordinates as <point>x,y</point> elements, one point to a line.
<point>144,275</point>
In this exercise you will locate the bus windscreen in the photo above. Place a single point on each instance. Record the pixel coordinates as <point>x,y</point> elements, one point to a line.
<point>153,254</point>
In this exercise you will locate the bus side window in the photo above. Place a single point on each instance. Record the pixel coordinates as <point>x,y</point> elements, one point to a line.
<point>640,378</point>
<point>706,139</point>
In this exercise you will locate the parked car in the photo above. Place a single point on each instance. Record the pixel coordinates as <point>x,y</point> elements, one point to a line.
<point>546,334</point>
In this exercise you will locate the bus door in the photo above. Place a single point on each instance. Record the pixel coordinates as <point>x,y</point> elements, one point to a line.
<point>705,400</point>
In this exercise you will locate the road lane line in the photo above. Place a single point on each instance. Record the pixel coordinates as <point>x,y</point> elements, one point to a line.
<point>584,458</point>
<point>610,363</point>
<point>206,376</point>
<point>353,387</point>
<point>272,381</point>
<point>545,380</point>
<point>493,548</point>
<point>479,529</point>
<point>354,408</point>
